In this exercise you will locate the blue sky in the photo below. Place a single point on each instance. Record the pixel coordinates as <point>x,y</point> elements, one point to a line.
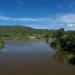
<point>49,14</point>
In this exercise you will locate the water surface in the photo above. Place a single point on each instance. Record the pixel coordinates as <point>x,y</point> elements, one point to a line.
<point>31,57</point>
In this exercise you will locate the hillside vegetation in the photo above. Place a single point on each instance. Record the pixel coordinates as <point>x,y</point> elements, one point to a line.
<point>21,31</point>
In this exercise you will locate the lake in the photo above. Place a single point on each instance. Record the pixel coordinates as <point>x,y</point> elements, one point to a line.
<point>31,57</point>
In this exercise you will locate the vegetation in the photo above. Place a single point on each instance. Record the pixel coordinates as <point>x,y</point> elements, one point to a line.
<point>65,40</point>
<point>20,31</point>
<point>1,43</point>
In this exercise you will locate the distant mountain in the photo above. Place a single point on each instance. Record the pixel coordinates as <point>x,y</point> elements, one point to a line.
<point>20,31</point>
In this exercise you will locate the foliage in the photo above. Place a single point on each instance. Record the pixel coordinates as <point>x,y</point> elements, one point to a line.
<point>1,42</point>
<point>20,31</point>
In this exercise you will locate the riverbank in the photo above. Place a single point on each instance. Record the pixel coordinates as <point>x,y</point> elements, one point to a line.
<point>1,43</point>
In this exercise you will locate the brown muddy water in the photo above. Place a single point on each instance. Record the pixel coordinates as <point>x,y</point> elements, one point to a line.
<point>31,57</point>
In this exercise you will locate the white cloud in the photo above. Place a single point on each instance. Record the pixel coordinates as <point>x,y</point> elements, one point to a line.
<point>68,18</point>
<point>4,18</point>
<point>26,19</point>
<point>23,19</point>
<point>65,20</point>
<point>71,28</point>
<point>70,25</point>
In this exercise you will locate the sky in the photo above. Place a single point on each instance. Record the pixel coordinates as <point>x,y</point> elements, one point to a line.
<point>45,14</point>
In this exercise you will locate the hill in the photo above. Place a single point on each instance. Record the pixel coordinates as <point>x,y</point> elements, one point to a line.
<point>20,31</point>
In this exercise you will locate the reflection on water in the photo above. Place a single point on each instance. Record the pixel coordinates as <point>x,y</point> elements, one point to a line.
<point>64,54</point>
<point>72,61</point>
<point>0,52</point>
<point>59,55</point>
<point>32,57</point>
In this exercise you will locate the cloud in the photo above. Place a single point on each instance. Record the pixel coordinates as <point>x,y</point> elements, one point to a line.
<point>68,18</point>
<point>70,25</point>
<point>23,19</point>
<point>26,19</point>
<point>16,19</point>
<point>64,20</point>
<point>4,18</point>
